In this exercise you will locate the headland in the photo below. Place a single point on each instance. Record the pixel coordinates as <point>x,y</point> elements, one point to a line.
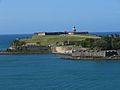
<point>71,45</point>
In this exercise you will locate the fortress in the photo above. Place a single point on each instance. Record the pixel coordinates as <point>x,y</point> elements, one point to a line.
<point>74,31</point>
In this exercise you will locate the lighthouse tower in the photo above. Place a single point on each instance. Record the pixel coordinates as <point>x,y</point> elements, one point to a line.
<point>74,29</point>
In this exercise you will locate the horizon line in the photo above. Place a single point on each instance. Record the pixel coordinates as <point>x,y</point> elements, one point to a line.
<point>51,31</point>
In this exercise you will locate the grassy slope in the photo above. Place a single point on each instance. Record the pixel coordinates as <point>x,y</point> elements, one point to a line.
<point>52,39</point>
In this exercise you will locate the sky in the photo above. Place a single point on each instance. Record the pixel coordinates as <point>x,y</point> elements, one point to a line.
<point>29,16</point>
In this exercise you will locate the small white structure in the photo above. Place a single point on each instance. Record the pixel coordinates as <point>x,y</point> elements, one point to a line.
<point>70,33</point>
<point>12,48</point>
<point>74,29</point>
<point>41,34</point>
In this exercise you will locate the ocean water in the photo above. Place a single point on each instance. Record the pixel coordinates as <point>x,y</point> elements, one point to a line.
<point>5,40</point>
<point>104,33</point>
<point>50,72</point>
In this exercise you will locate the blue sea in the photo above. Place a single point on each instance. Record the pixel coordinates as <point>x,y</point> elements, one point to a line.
<point>50,72</point>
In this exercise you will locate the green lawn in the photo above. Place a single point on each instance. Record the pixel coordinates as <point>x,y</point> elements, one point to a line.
<point>53,39</point>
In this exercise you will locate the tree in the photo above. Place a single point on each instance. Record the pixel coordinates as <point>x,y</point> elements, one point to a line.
<point>39,43</point>
<point>17,43</point>
<point>101,44</point>
<point>85,43</point>
<point>116,43</point>
<point>113,42</point>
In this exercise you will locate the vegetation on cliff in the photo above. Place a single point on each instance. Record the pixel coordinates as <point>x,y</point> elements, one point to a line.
<point>16,43</point>
<point>104,43</point>
<point>57,39</point>
<point>87,40</point>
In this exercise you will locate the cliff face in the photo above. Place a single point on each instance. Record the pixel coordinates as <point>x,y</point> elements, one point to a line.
<point>96,53</point>
<point>62,49</point>
<point>89,54</point>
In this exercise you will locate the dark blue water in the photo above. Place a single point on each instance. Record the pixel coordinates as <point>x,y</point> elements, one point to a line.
<point>49,72</point>
<point>5,40</point>
<point>104,33</point>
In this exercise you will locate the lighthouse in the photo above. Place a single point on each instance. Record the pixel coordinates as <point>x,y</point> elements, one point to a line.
<point>74,29</point>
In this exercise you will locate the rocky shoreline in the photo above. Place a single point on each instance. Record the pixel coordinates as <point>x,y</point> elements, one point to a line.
<point>18,53</point>
<point>63,56</point>
<point>70,57</point>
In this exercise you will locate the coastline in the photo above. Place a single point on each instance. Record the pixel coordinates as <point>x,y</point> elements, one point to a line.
<point>91,58</point>
<point>22,53</point>
<point>66,49</point>
<point>70,57</point>
<point>62,56</point>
